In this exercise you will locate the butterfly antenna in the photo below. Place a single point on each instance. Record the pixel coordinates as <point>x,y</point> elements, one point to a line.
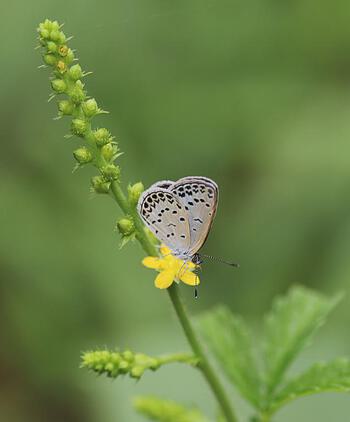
<point>214,258</point>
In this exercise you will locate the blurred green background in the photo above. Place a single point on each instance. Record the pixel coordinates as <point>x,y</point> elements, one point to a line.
<point>255,95</point>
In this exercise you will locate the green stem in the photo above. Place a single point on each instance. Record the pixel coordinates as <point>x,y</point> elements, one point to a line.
<point>203,365</point>
<point>179,357</point>
<point>262,417</point>
<point>120,197</point>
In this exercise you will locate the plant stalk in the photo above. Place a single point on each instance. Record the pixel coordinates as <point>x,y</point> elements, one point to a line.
<point>192,338</point>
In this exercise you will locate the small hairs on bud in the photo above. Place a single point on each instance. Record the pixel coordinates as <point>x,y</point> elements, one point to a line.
<point>111,172</point>
<point>75,72</point>
<point>82,155</point>
<point>65,107</point>
<point>58,85</point>
<point>99,185</point>
<point>77,94</point>
<point>108,151</point>
<point>90,107</point>
<point>78,127</point>
<point>102,136</point>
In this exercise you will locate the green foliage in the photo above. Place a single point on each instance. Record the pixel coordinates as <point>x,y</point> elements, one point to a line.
<point>230,339</point>
<point>156,409</point>
<point>288,328</point>
<point>321,377</point>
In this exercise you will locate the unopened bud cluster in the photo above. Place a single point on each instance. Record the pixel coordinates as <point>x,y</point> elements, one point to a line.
<point>126,226</point>
<point>166,410</point>
<point>113,364</point>
<point>100,149</point>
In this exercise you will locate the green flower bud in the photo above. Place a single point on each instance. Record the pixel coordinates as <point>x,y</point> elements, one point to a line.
<point>75,72</point>
<point>78,127</point>
<point>126,228</point>
<point>58,85</point>
<point>102,136</point>
<point>111,172</point>
<point>90,107</point>
<point>55,35</point>
<point>128,355</point>
<point>137,372</point>
<point>108,151</point>
<point>44,33</point>
<point>50,59</point>
<point>111,369</point>
<point>82,155</point>
<point>54,25</point>
<point>99,185</point>
<point>69,56</point>
<point>63,50</point>
<point>49,25</point>
<point>61,66</point>
<point>77,94</point>
<point>65,107</point>
<point>51,47</point>
<point>134,192</point>
<point>62,38</point>
<point>124,367</point>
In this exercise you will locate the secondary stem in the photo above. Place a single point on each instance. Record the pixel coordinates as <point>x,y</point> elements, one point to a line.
<point>203,365</point>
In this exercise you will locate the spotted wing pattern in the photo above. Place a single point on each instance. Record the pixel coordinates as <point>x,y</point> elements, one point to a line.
<point>199,196</point>
<point>166,217</point>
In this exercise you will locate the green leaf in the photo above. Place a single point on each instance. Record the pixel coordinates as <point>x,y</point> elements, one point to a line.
<point>156,409</point>
<point>321,377</point>
<point>289,327</point>
<point>230,340</point>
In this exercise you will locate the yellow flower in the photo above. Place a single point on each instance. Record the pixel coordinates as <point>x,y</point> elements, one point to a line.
<point>170,269</point>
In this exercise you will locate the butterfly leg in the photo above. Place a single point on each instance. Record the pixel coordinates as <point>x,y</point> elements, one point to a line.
<point>182,269</point>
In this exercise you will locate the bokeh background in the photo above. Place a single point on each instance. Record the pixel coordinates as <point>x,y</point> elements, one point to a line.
<point>255,95</point>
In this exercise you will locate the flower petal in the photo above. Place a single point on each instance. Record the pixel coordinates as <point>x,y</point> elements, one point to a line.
<point>164,279</point>
<point>152,262</point>
<point>164,250</point>
<point>190,278</point>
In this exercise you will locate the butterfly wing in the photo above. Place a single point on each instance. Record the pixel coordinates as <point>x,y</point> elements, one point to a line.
<point>166,217</point>
<point>199,196</point>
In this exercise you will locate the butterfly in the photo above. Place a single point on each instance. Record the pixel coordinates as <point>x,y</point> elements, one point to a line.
<point>180,214</point>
